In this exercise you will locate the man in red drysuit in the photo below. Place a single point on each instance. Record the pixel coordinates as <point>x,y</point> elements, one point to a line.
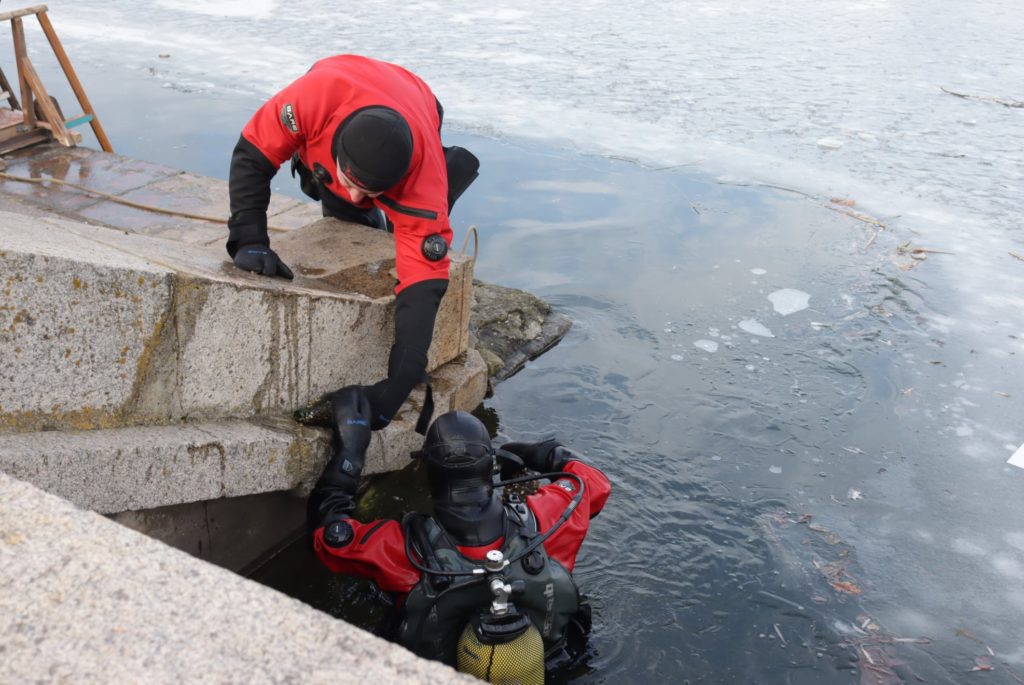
<point>364,138</point>
<point>413,559</point>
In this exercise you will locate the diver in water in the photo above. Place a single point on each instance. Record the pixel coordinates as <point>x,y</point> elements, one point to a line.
<point>483,585</point>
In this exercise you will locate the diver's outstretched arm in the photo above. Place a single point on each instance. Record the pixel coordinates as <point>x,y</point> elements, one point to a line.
<point>374,550</point>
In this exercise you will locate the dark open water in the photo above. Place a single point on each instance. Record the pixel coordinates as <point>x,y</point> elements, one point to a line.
<point>787,509</point>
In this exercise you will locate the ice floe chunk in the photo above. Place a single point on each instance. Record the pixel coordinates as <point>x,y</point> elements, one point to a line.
<point>677,357</point>
<point>788,301</point>
<point>758,272</point>
<point>1018,458</point>
<point>755,327</point>
<point>775,469</point>
<point>706,345</point>
<point>829,143</point>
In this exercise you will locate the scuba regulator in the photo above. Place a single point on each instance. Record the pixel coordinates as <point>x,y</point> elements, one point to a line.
<point>501,644</point>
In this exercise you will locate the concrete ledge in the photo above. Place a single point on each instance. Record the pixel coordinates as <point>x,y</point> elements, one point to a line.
<point>110,329</point>
<point>85,600</point>
<point>142,467</point>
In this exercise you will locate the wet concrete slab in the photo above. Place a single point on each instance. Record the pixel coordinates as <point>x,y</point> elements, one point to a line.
<point>101,171</point>
<point>188,194</point>
<point>139,182</point>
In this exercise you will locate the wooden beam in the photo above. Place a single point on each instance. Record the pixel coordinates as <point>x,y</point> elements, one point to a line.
<point>18,30</point>
<point>22,12</point>
<point>76,85</point>
<point>6,85</point>
<point>50,112</point>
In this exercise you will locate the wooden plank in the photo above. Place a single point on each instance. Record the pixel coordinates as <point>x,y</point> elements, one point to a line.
<point>76,85</point>
<point>18,30</point>
<point>11,117</point>
<point>78,121</point>
<point>74,136</point>
<point>50,112</point>
<point>6,85</point>
<point>23,140</point>
<point>22,12</point>
<point>9,132</point>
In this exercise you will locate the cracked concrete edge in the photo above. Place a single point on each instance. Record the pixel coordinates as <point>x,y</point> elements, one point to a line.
<point>85,600</point>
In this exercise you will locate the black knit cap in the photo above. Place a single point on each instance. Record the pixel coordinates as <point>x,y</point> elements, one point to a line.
<point>373,147</point>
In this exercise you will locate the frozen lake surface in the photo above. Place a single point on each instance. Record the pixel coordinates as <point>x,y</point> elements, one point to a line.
<point>833,500</point>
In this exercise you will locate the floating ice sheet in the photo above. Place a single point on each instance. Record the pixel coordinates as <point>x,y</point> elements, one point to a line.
<point>706,345</point>
<point>755,327</point>
<point>1018,458</point>
<point>787,301</point>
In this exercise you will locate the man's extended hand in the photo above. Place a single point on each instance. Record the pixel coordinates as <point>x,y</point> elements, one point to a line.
<point>262,260</point>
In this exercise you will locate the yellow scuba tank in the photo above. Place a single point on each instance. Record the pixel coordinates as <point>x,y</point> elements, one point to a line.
<point>505,650</point>
<point>501,646</point>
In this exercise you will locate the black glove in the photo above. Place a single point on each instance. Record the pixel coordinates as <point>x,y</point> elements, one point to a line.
<point>543,457</point>
<point>262,260</point>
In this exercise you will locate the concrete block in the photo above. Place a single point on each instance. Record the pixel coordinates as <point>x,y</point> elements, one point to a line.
<point>108,328</point>
<point>85,600</point>
<point>76,325</point>
<point>142,467</point>
<point>292,214</point>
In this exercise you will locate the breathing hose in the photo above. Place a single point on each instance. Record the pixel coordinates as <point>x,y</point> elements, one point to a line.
<point>534,544</point>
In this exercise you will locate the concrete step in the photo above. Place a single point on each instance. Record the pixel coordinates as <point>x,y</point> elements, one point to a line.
<point>142,467</point>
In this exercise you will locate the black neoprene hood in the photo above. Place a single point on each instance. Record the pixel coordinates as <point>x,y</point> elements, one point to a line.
<point>373,146</point>
<point>459,457</point>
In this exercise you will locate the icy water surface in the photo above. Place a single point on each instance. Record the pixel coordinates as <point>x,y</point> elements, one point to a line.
<point>806,421</point>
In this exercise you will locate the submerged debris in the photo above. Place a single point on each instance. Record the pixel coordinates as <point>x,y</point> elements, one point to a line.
<point>917,254</point>
<point>984,98</point>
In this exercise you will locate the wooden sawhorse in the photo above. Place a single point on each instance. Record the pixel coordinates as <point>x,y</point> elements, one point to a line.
<point>29,128</point>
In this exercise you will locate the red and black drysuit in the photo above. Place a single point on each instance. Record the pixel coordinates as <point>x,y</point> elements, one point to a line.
<point>302,121</point>
<point>376,550</point>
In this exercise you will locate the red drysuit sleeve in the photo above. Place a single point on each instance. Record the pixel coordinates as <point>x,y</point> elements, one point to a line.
<point>377,552</point>
<point>550,502</point>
